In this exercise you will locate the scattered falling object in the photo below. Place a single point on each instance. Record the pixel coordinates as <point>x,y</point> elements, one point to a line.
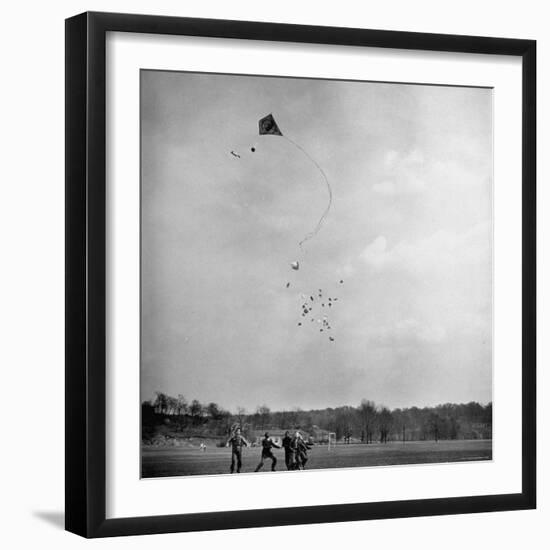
<point>341,282</point>
<point>331,338</point>
<point>308,305</point>
<point>295,266</point>
<point>287,285</point>
<point>236,154</point>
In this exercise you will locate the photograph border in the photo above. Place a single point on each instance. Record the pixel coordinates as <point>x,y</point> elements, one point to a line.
<point>85,425</point>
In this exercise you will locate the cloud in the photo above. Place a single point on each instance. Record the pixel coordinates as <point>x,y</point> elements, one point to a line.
<point>455,173</point>
<point>409,331</point>
<point>375,255</point>
<point>384,188</point>
<point>441,250</point>
<point>405,173</point>
<point>390,157</point>
<point>347,270</point>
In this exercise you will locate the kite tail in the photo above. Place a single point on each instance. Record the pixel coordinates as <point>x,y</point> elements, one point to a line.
<point>326,211</point>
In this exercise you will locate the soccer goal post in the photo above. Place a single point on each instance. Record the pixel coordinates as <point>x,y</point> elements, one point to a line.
<point>331,440</point>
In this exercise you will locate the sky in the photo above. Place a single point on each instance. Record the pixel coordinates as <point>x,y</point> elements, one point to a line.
<point>409,232</point>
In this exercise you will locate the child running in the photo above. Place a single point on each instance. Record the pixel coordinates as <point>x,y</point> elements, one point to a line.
<point>267,445</point>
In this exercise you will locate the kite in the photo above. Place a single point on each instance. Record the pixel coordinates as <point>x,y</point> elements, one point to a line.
<point>269,127</point>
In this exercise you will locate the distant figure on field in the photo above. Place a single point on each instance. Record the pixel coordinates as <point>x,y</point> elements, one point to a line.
<point>302,448</point>
<point>267,445</point>
<point>202,447</point>
<point>237,441</point>
<point>298,448</point>
<point>289,451</point>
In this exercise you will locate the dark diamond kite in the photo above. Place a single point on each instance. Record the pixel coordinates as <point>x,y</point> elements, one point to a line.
<point>268,126</point>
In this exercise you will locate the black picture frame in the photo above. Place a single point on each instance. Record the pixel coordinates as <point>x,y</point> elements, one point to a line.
<point>86,274</point>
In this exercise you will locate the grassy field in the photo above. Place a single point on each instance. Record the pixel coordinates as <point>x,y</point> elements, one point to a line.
<point>178,461</point>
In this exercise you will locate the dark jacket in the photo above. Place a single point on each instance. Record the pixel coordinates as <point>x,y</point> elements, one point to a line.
<point>267,444</point>
<point>237,442</point>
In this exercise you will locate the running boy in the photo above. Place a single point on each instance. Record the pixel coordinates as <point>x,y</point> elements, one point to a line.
<point>267,445</point>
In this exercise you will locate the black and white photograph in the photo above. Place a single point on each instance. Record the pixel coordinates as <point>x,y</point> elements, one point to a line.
<point>273,275</point>
<point>316,274</point>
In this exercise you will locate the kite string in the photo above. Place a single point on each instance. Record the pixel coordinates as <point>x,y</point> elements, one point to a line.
<point>326,211</point>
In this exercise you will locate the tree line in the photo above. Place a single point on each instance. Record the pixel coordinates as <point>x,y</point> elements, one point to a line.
<point>364,423</point>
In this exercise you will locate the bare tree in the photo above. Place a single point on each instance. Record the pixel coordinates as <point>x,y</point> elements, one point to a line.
<point>435,422</point>
<point>171,405</point>
<point>160,402</point>
<point>241,412</point>
<point>213,411</point>
<point>196,411</point>
<point>263,412</point>
<point>384,423</point>
<point>367,412</point>
<point>181,405</point>
<point>293,417</point>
